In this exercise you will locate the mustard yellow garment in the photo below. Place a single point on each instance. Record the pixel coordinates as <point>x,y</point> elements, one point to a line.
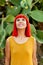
<point>21,54</point>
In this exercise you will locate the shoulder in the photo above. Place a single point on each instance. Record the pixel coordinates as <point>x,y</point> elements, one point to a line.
<point>7,41</point>
<point>34,40</point>
<point>7,45</point>
<point>8,38</point>
<point>34,43</point>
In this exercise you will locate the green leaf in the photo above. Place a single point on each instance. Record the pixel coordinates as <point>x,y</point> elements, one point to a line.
<point>2,38</point>
<point>25,11</point>
<point>15,2</point>
<point>3,44</point>
<point>29,2</point>
<point>2,2</point>
<point>33,30</point>
<point>9,28</point>
<point>37,15</point>
<point>39,36</point>
<point>14,10</point>
<point>9,18</point>
<point>23,3</point>
<point>1,53</point>
<point>5,24</point>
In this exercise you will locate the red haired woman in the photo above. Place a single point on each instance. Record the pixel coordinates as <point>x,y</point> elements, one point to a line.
<point>21,46</point>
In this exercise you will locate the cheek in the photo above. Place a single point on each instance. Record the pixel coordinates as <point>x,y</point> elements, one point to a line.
<point>16,23</point>
<point>25,24</point>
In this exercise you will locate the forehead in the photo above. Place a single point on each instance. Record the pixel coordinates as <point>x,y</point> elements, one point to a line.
<point>21,18</point>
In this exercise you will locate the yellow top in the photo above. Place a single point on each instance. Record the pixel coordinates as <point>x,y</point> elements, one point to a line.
<point>21,54</point>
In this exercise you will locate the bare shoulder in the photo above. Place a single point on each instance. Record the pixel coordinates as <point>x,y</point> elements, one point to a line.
<point>7,48</point>
<point>7,41</point>
<point>35,43</point>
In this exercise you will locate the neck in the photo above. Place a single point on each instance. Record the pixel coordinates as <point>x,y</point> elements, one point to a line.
<point>21,33</point>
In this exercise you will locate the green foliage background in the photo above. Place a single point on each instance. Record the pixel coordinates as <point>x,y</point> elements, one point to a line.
<point>31,8</point>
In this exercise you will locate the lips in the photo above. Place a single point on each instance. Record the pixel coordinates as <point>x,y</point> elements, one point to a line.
<point>20,24</point>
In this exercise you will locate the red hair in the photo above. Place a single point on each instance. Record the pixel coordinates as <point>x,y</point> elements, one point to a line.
<point>27,31</point>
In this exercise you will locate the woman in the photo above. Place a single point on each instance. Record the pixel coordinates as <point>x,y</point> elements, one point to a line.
<point>21,46</point>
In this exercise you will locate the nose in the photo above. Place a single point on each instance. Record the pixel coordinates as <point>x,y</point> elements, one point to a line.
<point>20,22</point>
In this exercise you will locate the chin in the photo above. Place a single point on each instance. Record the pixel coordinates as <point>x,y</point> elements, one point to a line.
<point>21,28</point>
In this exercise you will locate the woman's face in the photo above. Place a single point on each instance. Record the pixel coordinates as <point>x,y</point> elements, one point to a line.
<point>21,23</point>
